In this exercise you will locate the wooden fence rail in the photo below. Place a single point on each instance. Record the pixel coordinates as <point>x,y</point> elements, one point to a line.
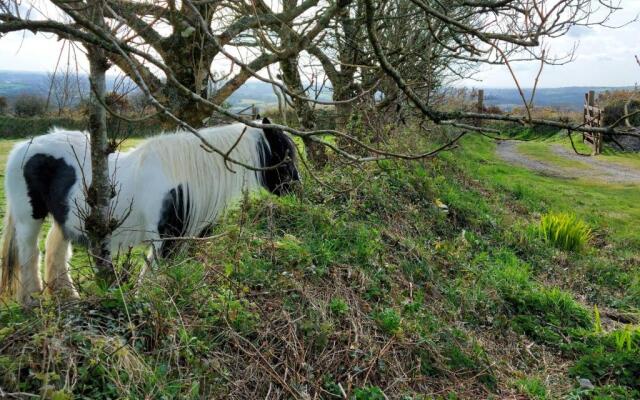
<point>251,112</point>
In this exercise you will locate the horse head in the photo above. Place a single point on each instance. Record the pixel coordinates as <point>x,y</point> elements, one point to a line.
<point>281,175</point>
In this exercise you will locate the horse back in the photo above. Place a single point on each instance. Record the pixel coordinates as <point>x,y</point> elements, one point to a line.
<point>42,171</point>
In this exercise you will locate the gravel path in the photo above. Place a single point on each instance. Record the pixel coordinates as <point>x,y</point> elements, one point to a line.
<point>601,169</point>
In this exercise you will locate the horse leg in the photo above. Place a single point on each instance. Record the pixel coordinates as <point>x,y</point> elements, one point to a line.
<point>151,259</point>
<point>57,254</point>
<point>29,281</point>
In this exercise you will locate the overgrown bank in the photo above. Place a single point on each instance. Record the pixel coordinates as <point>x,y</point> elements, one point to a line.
<point>426,280</point>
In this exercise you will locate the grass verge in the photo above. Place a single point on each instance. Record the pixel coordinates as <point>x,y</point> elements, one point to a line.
<point>372,292</point>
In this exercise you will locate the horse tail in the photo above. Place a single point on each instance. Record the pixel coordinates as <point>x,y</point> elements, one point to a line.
<point>9,262</point>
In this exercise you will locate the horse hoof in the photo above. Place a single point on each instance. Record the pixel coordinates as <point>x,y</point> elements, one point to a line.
<point>63,292</point>
<point>29,303</point>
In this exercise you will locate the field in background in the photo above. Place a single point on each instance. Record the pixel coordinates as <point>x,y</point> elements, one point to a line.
<point>13,83</point>
<point>613,207</point>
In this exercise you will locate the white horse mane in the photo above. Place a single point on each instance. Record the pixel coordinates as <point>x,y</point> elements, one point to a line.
<point>184,162</point>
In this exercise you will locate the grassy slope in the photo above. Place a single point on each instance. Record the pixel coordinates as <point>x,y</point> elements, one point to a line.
<point>363,292</point>
<point>613,208</point>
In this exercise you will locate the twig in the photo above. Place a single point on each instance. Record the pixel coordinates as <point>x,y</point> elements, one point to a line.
<point>375,359</point>
<point>187,238</point>
<point>264,363</point>
<point>574,146</point>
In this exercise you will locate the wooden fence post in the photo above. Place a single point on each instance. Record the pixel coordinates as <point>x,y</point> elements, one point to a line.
<point>591,101</point>
<point>592,116</point>
<point>585,116</point>
<point>480,105</point>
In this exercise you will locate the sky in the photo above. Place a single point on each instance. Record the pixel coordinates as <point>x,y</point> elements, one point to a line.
<point>604,57</point>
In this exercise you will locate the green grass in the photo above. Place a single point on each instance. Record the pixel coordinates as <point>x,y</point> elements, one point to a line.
<point>609,155</point>
<point>607,275</point>
<point>612,208</point>
<point>539,149</point>
<point>372,292</point>
<point>533,388</point>
<point>565,231</point>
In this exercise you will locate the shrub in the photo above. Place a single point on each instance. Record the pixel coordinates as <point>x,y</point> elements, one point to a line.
<point>564,231</point>
<point>4,105</point>
<point>20,127</point>
<point>533,387</point>
<point>117,102</point>
<point>493,109</point>
<point>615,110</point>
<point>17,127</point>
<point>614,102</point>
<point>338,306</point>
<point>28,105</point>
<point>368,393</point>
<point>605,367</point>
<point>389,320</point>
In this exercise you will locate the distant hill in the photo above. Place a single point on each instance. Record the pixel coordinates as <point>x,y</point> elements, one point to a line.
<point>13,83</point>
<point>569,98</point>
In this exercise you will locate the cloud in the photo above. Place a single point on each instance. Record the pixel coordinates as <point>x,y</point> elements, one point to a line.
<point>25,51</point>
<point>604,57</point>
<point>578,31</point>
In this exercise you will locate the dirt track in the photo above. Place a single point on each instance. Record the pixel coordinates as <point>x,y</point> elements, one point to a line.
<point>600,168</point>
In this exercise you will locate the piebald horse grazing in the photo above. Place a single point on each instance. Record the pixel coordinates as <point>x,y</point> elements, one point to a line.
<point>167,187</point>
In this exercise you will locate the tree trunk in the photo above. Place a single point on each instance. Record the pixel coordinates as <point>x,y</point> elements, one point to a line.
<point>343,110</point>
<point>348,50</point>
<point>346,120</point>
<point>190,63</point>
<point>316,152</point>
<point>97,223</point>
<point>291,76</point>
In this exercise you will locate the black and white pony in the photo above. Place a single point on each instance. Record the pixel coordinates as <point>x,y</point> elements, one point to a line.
<point>167,187</point>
